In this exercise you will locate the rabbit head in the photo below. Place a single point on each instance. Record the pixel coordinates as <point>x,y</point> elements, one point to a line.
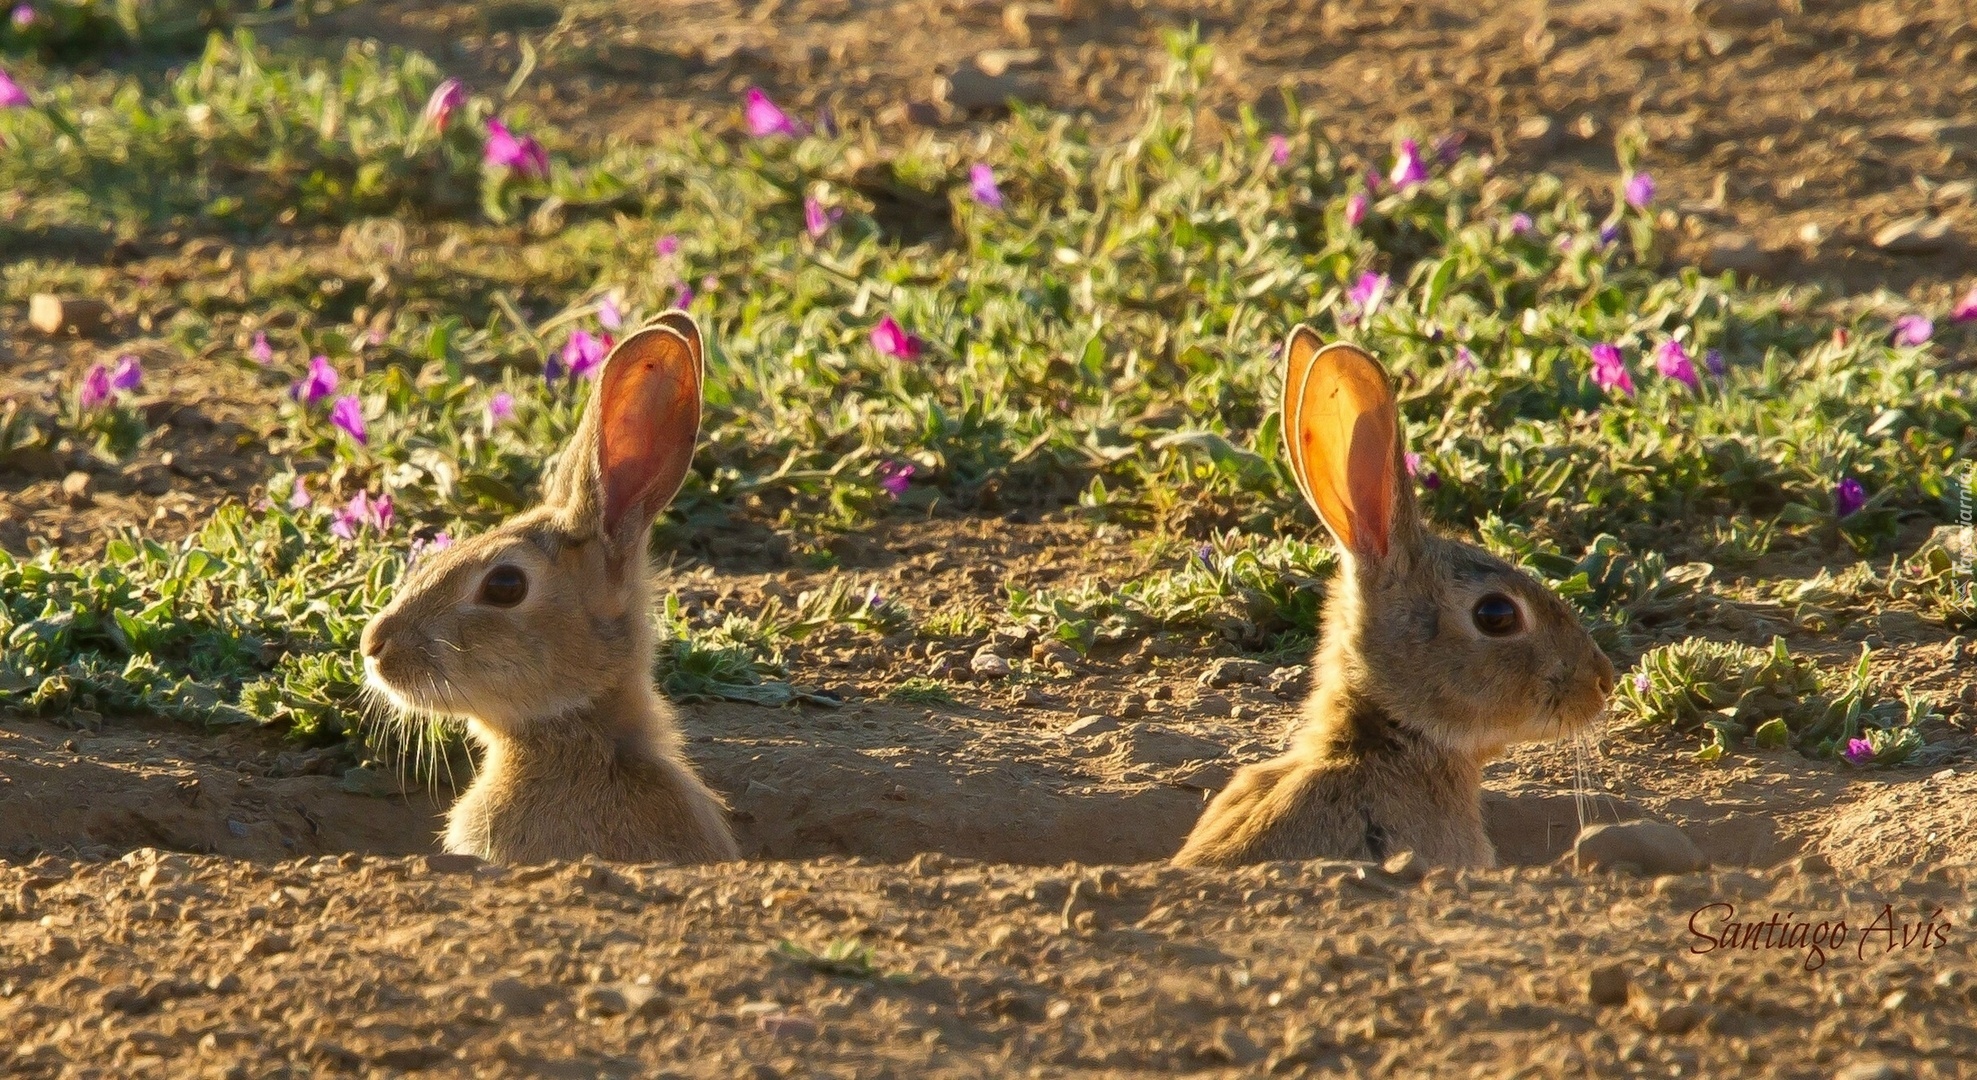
<point>549,612</point>
<point>1453,642</point>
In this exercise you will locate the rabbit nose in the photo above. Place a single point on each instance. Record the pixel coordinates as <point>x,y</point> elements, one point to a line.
<point>372,642</point>
<point>1604,676</point>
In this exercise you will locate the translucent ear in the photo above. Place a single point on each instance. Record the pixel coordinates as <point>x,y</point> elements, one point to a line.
<point>1343,430</point>
<point>648,420</point>
<point>682,324</point>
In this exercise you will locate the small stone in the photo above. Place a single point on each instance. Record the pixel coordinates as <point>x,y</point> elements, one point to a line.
<point>1286,682</point>
<point>1679,1018</point>
<point>604,1001</point>
<point>517,998</point>
<point>1607,985</point>
<point>362,780</point>
<point>1405,866</point>
<point>1095,724</point>
<point>1212,705</point>
<point>998,62</point>
<point>786,1025</point>
<point>53,314</point>
<point>1914,236</point>
<point>1230,671</point>
<point>1131,707</point>
<point>449,863</point>
<point>1811,864</point>
<point>75,488</point>
<point>1654,847</point>
<point>1746,13</point>
<point>988,665</point>
<point>267,945</point>
<point>1052,651</point>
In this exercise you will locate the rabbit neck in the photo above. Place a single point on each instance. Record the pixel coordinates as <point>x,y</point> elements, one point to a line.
<point>627,719</point>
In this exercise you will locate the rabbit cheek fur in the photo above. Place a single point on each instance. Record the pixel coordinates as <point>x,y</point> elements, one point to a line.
<point>581,754</point>
<point>1412,698</point>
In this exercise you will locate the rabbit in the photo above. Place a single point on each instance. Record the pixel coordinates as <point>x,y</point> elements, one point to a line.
<point>1435,656</point>
<point>538,634</point>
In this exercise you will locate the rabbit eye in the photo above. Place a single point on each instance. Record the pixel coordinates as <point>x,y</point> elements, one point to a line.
<point>1496,616</point>
<point>504,586</point>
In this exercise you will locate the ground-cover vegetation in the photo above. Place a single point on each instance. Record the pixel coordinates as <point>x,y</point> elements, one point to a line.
<point>1041,319</point>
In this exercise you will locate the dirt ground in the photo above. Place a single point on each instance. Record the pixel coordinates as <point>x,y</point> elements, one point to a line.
<point>984,853</point>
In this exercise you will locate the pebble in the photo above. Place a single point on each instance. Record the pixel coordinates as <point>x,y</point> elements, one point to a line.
<point>989,665</point>
<point>1913,236</point>
<point>1869,1070</point>
<point>52,314</point>
<point>1607,985</point>
<point>1287,682</point>
<point>1212,705</point>
<point>1231,671</point>
<point>1095,724</point>
<point>75,488</point>
<point>1649,847</point>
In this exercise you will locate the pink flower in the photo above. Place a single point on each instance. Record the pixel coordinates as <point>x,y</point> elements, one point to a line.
<point>895,478</point>
<point>818,219</point>
<point>525,156</point>
<point>1640,190</point>
<point>1914,330</point>
<point>1641,682</point>
<point>11,94</point>
<point>608,315</point>
<point>890,339</point>
<point>1431,481</point>
<point>347,413</point>
<point>446,99</point>
<point>1355,209</point>
<point>1966,308</point>
<point>1520,223</point>
<point>1465,361</point>
<point>421,545</point>
<point>23,16</point>
<point>683,298</point>
<point>1363,299</point>
<point>1449,147</point>
<point>1858,752</point>
<point>981,186</point>
<point>316,384</point>
<point>1673,362</point>
<point>298,496</point>
<point>1408,168</point>
<point>765,119</point>
<point>261,351</point>
<point>1610,371</point>
<point>584,352</point>
<point>1848,497</point>
<point>500,408</point>
<point>1713,360</point>
<point>1280,151</point>
<point>360,512</point>
<point>95,391</point>
<point>128,375</point>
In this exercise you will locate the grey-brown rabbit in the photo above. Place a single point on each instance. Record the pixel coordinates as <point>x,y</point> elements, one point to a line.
<point>539,635</point>
<point>1435,656</point>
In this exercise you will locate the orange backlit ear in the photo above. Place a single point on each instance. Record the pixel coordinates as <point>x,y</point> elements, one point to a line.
<point>1342,430</point>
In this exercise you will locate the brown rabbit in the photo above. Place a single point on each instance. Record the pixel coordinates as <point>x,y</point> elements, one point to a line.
<point>1435,656</point>
<point>539,635</point>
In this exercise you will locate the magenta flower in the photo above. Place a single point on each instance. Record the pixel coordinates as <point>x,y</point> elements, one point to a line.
<point>818,219</point>
<point>667,246</point>
<point>1465,361</point>
<point>1966,308</point>
<point>1280,151</point>
<point>683,298</point>
<point>1914,330</point>
<point>584,351</point>
<point>1408,168</point>
<point>316,384</point>
<point>1858,752</point>
<point>1449,146</point>
<point>347,413</point>
<point>95,391</point>
<point>1672,361</point>
<point>1355,209</point>
<point>261,351</point>
<point>446,99</point>
<point>11,94</point>
<point>892,340</point>
<point>359,513</point>
<point>608,315</point>
<point>23,16</point>
<point>826,122</point>
<point>1431,481</point>
<point>1713,360</point>
<point>1640,190</point>
<point>1610,371</point>
<point>1608,233</point>
<point>524,155</point>
<point>1521,223</point>
<point>128,374</point>
<point>298,496</point>
<point>765,119</point>
<point>981,186</point>
<point>1848,497</point>
<point>500,408</point>
<point>1363,299</point>
<point>894,478</point>
<point>1641,682</point>
<point>421,545</point>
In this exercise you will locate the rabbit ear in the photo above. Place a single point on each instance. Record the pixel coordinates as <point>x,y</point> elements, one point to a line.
<point>631,452</point>
<point>681,323</point>
<point>1343,430</point>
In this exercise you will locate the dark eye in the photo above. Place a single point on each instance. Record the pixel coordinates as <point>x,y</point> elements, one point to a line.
<point>1497,616</point>
<point>504,586</point>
